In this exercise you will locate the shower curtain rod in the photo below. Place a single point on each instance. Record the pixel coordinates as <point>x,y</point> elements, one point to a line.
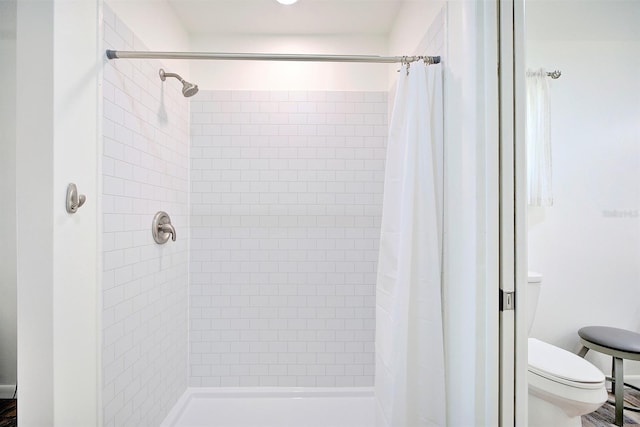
<point>121,54</point>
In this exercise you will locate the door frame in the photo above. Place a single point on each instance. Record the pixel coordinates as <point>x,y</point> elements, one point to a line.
<point>513,217</point>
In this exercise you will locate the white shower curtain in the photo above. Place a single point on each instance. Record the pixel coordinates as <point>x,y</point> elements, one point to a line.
<point>538,140</point>
<point>410,381</point>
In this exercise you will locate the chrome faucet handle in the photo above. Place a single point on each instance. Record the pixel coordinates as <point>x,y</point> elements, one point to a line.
<point>168,228</point>
<point>161,228</point>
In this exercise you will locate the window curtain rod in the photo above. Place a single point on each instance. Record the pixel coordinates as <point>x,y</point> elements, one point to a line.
<point>121,54</point>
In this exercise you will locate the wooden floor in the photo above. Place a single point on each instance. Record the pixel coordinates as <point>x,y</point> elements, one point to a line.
<point>605,416</point>
<point>8,413</point>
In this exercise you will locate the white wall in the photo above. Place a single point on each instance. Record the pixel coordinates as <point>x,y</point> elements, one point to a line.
<point>154,23</point>
<point>34,235</point>
<point>156,27</point>
<point>8,301</point>
<point>470,211</point>
<point>56,128</point>
<point>587,245</point>
<point>165,33</point>
<point>407,36</point>
<point>269,75</point>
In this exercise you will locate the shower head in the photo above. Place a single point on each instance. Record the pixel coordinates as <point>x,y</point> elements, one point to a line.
<point>188,89</point>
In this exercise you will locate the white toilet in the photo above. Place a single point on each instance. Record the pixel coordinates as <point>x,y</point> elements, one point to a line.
<point>562,385</point>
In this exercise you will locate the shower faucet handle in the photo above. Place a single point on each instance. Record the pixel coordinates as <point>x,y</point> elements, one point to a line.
<point>168,228</point>
<point>161,228</point>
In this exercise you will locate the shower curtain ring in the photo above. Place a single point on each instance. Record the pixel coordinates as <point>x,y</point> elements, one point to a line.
<point>402,62</point>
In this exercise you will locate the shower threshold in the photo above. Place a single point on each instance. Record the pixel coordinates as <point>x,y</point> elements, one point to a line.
<point>274,407</point>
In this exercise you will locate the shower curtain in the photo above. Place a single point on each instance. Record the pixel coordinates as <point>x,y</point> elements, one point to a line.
<point>538,140</point>
<point>410,380</point>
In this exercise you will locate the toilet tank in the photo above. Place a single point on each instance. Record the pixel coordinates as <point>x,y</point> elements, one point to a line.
<point>534,282</point>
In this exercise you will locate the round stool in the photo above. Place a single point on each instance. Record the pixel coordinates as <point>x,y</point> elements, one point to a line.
<point>620,344</point>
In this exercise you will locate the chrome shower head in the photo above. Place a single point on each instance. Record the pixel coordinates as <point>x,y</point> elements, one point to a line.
<point>188,89</point>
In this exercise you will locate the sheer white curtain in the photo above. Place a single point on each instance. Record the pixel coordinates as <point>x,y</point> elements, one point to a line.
<point>538,140</point>
<point>410,381</point>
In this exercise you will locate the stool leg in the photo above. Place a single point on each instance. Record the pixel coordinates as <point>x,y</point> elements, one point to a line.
<point>618,389</point>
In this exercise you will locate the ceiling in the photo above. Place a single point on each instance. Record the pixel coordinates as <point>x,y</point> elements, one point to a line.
<point>270,17</point>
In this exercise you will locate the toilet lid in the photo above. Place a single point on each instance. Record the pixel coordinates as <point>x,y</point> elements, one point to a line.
<point>562,366</point>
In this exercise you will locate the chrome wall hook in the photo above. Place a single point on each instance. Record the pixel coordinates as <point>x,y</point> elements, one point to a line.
<point>74,200</point>
<point>161,228</point>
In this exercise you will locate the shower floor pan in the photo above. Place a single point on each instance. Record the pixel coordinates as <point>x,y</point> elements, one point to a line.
<point>273,407</point>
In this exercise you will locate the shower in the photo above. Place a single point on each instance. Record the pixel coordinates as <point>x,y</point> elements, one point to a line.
<point>280,190</point>
<point>188,89</point>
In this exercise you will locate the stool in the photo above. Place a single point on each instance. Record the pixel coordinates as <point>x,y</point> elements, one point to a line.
<point>620,344</point>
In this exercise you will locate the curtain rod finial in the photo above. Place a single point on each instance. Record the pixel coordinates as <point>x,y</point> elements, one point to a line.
<point>555,74</point>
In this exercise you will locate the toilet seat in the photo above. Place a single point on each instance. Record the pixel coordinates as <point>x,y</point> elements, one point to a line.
<point>561,366</point>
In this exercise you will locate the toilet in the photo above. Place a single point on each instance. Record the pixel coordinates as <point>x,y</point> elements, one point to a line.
<point>562,385</point>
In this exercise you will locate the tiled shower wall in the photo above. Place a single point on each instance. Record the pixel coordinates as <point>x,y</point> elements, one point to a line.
<point>145,167</point>
<point>286,199</point>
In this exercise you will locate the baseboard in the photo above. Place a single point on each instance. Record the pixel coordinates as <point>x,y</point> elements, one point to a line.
<point>6,391</point>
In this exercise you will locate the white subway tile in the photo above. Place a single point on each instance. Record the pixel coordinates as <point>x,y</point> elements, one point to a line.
<point>285,205</point>
<point>144,149</point>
